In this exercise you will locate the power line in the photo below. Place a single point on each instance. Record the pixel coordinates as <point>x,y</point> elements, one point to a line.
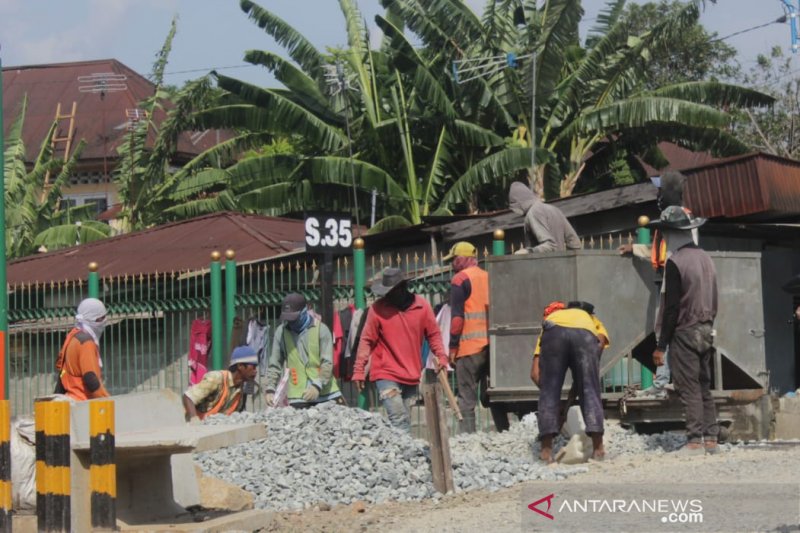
<point>779,20</point>
<point>208,69</point>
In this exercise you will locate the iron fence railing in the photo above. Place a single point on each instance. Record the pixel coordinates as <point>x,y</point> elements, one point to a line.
<point>146,343</point>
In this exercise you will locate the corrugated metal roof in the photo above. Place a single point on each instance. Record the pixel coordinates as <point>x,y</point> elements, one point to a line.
<point>679,159</point>
<point>102,122</point>
<point>757,184</point>
<point>179,246</point>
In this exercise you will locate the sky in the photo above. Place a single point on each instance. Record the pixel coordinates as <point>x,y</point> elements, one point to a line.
<point>214,34</point>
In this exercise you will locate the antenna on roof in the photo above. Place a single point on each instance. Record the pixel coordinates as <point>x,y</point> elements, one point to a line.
<point>102,82</point>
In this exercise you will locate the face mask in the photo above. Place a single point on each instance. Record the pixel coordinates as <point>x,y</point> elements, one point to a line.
<point>400,297</point>
<point>298,324</point>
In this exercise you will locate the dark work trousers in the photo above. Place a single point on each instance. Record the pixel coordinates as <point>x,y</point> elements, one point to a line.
<point>575,349</point>
<point>471,370</point>
<point>690,353</point>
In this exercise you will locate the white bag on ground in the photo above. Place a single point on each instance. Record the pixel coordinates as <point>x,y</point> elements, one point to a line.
<point>23,464</point>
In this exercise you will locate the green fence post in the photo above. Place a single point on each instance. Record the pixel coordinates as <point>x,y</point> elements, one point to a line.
<point>94,281</point>
<point>230,294</point>
<point>643,237</point>
<point>359,272</point>
<point>359,277</point>
<point>499,243</point>
<point>216,312</point>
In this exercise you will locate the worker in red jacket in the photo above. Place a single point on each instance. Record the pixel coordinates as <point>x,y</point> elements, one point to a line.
<point>391,341</point>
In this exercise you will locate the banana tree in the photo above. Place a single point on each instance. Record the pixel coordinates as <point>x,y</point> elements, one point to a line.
<point>35,214</point>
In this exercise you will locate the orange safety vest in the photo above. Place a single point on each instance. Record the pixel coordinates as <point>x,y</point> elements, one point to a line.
<point>223,397</point>
<point>72,382</point>
<point>658,251</point>
<point>474,336</point>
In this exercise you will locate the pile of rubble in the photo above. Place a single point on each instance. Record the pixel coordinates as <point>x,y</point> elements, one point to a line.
<point>333,454</point>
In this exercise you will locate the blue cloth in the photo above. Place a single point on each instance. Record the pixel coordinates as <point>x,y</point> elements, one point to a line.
<point>302,322</point>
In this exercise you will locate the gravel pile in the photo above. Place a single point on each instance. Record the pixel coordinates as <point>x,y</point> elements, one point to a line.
<point>333,454</point>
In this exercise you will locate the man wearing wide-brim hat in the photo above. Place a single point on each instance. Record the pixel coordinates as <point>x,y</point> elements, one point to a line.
<point>687,326</point>
<point>391,340</point>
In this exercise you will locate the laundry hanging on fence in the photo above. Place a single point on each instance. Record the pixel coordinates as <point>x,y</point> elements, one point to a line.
<point>199,348</point>
<point>258,340</point>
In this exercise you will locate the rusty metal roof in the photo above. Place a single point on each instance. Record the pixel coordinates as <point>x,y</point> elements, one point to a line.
<point>102,122</point>
<point>179,246</point>
<point>679,159</point>
<point>759,185</point>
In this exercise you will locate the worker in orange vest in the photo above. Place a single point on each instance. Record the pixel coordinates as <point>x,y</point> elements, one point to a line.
<point>469,338</point>
<point>220,391</point>
<point>78,364</point>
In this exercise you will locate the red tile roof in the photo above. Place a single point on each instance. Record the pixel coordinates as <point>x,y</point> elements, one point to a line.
<point>179,246</point>
<point>102,122</point>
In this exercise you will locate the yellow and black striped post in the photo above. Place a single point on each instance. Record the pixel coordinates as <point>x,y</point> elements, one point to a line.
<point>5,466</point>
<point>52,466</point>
<point>103,469</point>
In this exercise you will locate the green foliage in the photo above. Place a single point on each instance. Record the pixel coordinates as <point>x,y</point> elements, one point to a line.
<point>34,215</point>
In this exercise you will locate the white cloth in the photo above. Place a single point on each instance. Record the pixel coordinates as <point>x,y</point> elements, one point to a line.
<point>443,320</point>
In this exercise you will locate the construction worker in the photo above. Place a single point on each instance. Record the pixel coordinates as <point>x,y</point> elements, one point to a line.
<point>547,224</point>
<point>391,341</point>
<point>670,192</point>
<point>220,391</point>
<point>469,338</point>
<point>572,338</point>
<point>304,345</point>
<point>78,364</point>
<point>687,326</point>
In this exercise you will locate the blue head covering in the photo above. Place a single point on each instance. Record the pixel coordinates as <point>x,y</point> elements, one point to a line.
<point>244,355</point>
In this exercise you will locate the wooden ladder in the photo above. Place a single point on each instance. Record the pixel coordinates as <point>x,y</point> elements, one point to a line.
<point>58,139</point>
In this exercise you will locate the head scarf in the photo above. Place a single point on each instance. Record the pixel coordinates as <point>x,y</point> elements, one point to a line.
<point>302,322</point>
<point>460,263</point>
<point>91,317</point>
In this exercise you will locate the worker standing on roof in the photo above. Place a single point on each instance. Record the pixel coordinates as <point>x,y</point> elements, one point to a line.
<point>79,364</point>
<point>547,224</point>
<point>469,337</point>
<point>303,344</point>
<point>220,391</point>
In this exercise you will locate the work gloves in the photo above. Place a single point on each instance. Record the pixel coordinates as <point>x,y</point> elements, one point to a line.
<point>311,394</point>
<point>269,398</point>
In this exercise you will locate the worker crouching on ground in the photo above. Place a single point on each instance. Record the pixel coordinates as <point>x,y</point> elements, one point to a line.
<point>304,345</point>
<point>572,338</point>
<point>469,338</point>
<point>79,364</point>
<point>687,327</point>
<point>220,391</point>
<point>391,341</point>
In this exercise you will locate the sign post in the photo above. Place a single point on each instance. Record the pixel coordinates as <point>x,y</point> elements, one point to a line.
<point>328,234</point>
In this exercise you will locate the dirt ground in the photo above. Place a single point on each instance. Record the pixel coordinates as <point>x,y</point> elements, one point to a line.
<point>501,511</point>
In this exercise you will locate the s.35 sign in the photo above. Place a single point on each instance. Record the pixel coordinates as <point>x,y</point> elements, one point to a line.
<point>328,233</point>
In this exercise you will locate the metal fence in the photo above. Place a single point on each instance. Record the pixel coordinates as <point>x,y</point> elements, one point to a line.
<point>146,344</point>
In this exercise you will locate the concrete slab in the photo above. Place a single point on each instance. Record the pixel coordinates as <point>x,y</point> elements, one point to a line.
<point>252,520</point>
<point>179,439</point>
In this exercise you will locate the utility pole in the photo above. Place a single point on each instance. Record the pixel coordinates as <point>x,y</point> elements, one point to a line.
<point>4,355</point>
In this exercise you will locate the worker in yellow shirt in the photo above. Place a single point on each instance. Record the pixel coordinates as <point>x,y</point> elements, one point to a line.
<point>572,338</point>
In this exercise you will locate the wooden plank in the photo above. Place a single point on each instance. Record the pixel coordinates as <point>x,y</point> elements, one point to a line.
<point>444,442</point>
<point>434,436</point>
